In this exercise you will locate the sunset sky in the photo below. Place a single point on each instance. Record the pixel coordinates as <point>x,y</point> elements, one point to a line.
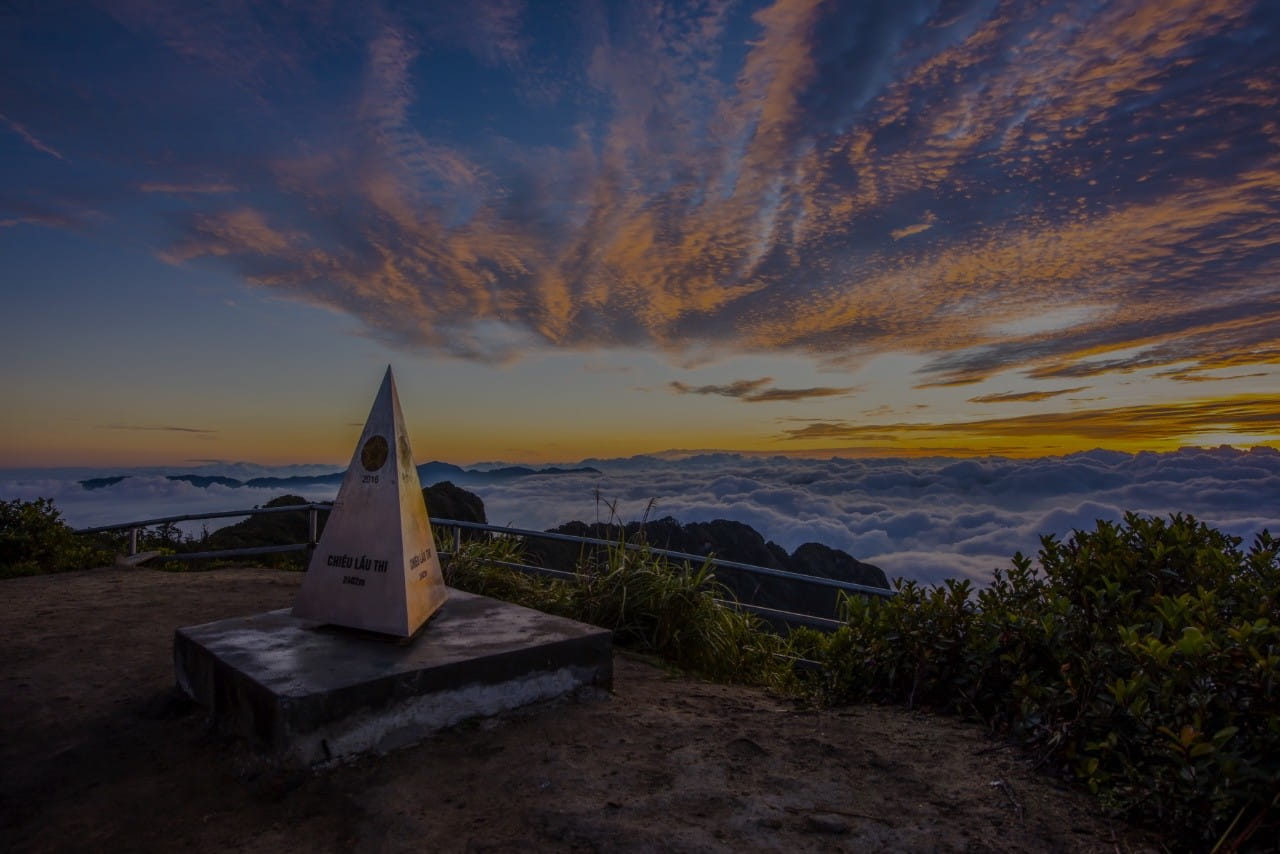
<point>582,229</point>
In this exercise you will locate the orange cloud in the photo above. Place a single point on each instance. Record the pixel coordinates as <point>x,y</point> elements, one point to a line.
<point>754,391</point>
<point>237,232</point>
<point>1149,426</point>
<point>1024,396</point>
<point>899,233</point>
<point>1186,377</point>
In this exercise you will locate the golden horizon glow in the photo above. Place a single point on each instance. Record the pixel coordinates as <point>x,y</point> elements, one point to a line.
<point>1013,228</point>
<point>1241,421</point>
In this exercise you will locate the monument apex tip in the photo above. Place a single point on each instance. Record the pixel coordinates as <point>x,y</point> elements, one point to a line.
<point>375,566</point>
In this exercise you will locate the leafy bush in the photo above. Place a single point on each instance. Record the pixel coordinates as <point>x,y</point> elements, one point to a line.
<point>1142,657</point>
<point>34,539</point>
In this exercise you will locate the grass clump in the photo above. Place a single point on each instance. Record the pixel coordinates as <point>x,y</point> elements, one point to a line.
<point>651,604</point>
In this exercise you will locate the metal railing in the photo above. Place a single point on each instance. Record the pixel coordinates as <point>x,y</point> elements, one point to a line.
<point>457,526</point>
<point>313,521</point>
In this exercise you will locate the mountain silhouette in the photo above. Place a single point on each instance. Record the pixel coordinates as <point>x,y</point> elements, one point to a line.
<point>428,473</point>
<point>728,540</point>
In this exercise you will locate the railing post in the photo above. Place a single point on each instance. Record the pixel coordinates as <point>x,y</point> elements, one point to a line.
<point>457,540</point>
<point>313,517</point>
<point>133,541</point>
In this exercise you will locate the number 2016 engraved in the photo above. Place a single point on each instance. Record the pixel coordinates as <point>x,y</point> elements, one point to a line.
<point>369,478</point>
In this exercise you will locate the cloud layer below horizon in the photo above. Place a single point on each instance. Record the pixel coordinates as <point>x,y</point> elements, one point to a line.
<point>927,519</point>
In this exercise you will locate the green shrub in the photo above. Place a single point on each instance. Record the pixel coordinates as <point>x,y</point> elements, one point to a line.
<point>34,540</point>
<point>1142,657</point>
<point>911,648</point>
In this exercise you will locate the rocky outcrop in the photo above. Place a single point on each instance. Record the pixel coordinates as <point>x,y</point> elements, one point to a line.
<point>267,529</point>
<point>735,541</point>
<point>443,500</point>
<point>446,501</point>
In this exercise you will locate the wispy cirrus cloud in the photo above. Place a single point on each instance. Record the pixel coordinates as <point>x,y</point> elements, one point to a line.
<point>31,139</point>
<point>756,391</point>
<point>211,187</point>
<point>1186,377</point>
<point>1024,396</point>
<point>776,395</point>
<point>837,180</point>
<point>738,389</point>
<point>157,427</point>
<point>231,232</point>
<point>915,228</point>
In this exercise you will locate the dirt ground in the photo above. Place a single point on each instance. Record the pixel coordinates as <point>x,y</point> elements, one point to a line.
<point>99,752</point>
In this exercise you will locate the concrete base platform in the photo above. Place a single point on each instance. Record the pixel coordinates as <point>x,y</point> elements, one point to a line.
<point>308,693</point>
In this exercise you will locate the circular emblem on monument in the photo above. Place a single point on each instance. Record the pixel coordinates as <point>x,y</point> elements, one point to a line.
<point>374,453</point>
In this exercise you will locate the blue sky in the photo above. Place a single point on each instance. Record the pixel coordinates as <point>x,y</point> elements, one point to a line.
<point>585,229</point>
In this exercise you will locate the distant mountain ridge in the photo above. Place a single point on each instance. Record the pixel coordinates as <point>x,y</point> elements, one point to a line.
<point>428,473</point>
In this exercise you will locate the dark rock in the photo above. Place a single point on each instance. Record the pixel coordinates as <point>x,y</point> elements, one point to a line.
<point>727,540</point>
<point>435,471</point>
<point>268,529</point>
<point>295,482</point>
<point>817,559</point>
<point>206,480</point>
<point>103,482</point>
<point>446,501</point>
<point>826,824</point>
<point>443,500</point>
<point>745,748</point>
<point>167,705</point>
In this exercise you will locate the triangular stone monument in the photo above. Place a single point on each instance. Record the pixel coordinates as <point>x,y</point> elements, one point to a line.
<point>375,567</point>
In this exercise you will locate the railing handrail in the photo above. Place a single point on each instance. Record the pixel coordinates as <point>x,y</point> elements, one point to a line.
<point>818,580</point>
<point>192,517</point>
<point>731,564</point>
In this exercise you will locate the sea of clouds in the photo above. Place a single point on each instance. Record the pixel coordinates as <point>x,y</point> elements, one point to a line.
<point>149,494</point>
<point>926,519</point>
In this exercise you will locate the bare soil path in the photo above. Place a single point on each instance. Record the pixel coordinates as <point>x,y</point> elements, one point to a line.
<point>98,752</point>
